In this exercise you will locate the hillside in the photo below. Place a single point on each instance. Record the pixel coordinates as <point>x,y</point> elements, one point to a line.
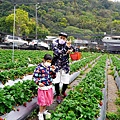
<point>76,17</point>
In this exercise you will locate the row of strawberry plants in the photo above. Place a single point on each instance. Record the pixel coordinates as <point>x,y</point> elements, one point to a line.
<point>18,94</point>
<point>21,58</point>
<point>117,55</point>
<point>84,55</point>
<point>116,62</point>
<point>82,102</point>
<point>77,65</point>
<point>13,74</point>
<point>14,65</point>
<point>6,55</point>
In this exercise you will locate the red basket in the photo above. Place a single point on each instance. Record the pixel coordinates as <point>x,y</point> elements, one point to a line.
<point>75,56</point>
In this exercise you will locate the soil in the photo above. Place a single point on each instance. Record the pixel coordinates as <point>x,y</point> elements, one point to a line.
<point>111,91</point>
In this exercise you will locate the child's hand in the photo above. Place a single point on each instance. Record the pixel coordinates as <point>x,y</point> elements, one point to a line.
<point>52,67</point>
<point>41,84</point>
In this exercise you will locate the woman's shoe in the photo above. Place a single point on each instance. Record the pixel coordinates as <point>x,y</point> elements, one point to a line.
<point>64,95</point>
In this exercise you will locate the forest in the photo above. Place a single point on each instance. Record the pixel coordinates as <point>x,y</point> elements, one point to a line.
<point>88,19</point>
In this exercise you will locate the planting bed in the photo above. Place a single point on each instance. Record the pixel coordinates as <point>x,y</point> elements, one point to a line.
<point>87,93</point>
<point>10,108</point>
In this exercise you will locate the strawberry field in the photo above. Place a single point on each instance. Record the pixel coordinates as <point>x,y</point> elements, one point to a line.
<point>86,101</point>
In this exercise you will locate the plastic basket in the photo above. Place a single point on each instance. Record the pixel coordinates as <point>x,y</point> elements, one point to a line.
<point>75,56</point>
<point>78,55</point>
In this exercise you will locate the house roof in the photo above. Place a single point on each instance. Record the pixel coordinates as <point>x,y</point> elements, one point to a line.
<point>50,37</point>
<point>81,41</point>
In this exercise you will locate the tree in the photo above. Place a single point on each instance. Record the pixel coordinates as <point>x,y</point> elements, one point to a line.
<point>116,26</point>
<point>63,22</point>
<point>71,38</point>
<point>3,26</point>
<point>23,25</point>
<point>43,32</point>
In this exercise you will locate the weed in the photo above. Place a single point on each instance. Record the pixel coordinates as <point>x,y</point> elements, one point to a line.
<point>112,116</point>
<point>81,72</point>
<point>117,101</point>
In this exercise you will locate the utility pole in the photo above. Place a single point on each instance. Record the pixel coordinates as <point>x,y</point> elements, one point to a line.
<point>36,9</point>
<point>36,21</point>
<point>14,31</point>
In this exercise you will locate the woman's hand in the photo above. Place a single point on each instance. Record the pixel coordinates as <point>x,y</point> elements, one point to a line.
<point>69,51</point>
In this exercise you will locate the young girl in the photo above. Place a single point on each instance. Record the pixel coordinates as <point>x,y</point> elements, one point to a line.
<point>43,75</point>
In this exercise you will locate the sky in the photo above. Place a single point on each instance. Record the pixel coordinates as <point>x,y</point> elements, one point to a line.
<point>115,0</point>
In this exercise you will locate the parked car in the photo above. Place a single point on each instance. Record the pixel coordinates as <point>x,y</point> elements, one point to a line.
<point>39,44</point>
<point>33,43</point>
<point>83,47</point>
<point>8,39</point>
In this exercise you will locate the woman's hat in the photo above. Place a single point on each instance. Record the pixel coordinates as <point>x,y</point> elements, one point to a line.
<point>63,34</point>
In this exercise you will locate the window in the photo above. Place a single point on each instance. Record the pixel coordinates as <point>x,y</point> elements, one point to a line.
<point>10,37</point>
<point>16,38</point>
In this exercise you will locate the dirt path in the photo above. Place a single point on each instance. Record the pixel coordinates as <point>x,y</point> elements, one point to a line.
<point>111,91</point>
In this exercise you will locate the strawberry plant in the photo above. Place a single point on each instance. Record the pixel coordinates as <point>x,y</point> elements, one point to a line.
<point>116,63</point>
<point>14,74</point>
<point>18,94</point>
<point>83,101</point>
<point>6,102</point>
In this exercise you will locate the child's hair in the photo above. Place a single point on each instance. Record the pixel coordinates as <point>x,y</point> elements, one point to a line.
<point>48,57</point>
